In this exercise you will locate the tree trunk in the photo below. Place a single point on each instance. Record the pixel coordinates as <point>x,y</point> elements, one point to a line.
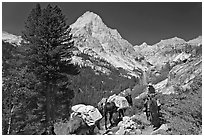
<point>53,88</point>
<point>50,103</point>
<point>48,106</point>
<point>10,120</point>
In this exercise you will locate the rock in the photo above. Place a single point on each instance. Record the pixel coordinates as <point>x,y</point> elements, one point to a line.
<point>164,127</point>
<point>127,123</point>
<point>181,57</point>
<point>110,133</point>
<point>141,96</point>
<point>130,133</point>
<point>140,119</point>
<point>161,85</point>
<point>125,118</point>
<point>121,124</point>
<point>161,130</point>
<point>121,131</point>
<point>101,132</point>
<point>115,129</point>
<point>138,132</point>
<point>128,127</point>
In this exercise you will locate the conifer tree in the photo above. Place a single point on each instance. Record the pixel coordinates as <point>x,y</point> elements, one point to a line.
<point>47,54</point>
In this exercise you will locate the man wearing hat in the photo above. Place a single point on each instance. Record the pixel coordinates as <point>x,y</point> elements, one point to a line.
<point>151,94</point>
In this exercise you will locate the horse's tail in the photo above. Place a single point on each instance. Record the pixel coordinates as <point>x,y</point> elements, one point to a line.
<point>129,100</point>
<point>106,101</point>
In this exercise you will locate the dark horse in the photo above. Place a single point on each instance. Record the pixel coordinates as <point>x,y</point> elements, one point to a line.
<point>152,111</point>
<point>110,108</point>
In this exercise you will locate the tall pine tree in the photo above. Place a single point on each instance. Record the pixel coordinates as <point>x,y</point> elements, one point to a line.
<point>47,54</point>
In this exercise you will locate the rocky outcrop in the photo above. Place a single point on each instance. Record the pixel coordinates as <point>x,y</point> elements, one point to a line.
<point>93,36</point>
<point>181,76</point>
<point>167,50</point>
<point>128,127</point>
<point>161,130</point>
<point>184,74</point>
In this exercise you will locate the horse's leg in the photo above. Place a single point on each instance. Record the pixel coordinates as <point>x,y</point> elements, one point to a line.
<point>98,124</point>
<point>110,117</point>
<point>147,115</point>
<point>105,115</point>
<point>121,114</point>
<point>150,117</point>
<point>91,130</point>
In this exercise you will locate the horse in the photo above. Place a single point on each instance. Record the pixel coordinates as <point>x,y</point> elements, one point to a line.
<point>152,111</point>
<point>110,107</point>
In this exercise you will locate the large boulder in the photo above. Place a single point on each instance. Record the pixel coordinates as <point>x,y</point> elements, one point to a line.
<point>128,127</point>
<point>121,131</point>
<point>140,119</point>
<point>161,130</point>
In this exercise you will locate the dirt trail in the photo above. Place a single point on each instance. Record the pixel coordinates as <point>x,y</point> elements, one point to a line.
<point>147,130</point>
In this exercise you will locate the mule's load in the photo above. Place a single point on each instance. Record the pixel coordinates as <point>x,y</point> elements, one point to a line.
<point>120,102</point>
<point>88,113</point>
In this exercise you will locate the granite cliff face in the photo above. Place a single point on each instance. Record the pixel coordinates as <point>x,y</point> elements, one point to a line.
<point>94,38</point>
<point>168,50</point>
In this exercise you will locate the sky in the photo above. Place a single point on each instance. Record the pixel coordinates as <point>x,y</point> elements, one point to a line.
<point>137,22</point>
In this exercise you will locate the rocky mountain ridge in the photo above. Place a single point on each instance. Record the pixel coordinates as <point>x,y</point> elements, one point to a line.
<point>166,50</point>
<point>95,38</point>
